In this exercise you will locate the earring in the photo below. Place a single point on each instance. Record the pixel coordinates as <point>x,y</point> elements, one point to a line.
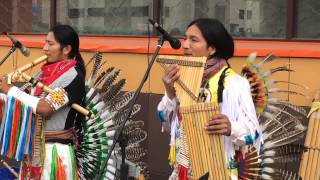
<point>212,50</point>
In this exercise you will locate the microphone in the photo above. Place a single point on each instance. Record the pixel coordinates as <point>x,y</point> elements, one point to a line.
<point>25,51</point>
<point>174,42</point>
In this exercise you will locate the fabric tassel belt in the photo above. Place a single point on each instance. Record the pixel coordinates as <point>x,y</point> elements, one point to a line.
<point>63,137</point>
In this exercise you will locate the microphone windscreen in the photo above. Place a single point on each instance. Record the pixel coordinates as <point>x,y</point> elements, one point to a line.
<point>25,51</point>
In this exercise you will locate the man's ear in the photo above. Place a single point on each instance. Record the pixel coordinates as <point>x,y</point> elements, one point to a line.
<point>66,50</point>
<point>212,50</point>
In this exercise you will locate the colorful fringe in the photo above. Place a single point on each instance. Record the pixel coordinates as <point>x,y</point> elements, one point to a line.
<point>7,126</point>
<point>17,131</point>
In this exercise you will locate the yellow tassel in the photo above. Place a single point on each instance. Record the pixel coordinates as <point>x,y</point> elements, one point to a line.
<point>315,106</point>
<point>172,155</point>
<point>232,172</point>
<point>43,143</point>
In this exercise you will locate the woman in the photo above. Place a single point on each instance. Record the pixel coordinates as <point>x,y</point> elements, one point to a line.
<point>221,85</point>
<point>64,72</point>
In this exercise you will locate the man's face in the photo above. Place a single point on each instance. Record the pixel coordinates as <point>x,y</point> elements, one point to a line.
<point>194,43</point>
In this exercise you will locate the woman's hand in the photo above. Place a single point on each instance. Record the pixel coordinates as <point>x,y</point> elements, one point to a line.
<point>171,75</point>
<point>4,86</point>
<point>219,124</point>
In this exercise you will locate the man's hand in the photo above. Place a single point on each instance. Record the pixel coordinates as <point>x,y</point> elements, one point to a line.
<point>4,86</point>
<point>171,75</point>
<point>219,124</point>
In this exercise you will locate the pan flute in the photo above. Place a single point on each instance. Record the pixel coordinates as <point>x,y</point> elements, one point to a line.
<point>310,164</point>
<point>206,151</point>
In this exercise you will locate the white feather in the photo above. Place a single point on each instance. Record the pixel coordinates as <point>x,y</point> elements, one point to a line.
<point>269,153</point>
<point>111,169</point>
<point>110,133</point>
<point>267,161</point>
<point>300,127</point>
<point>110,176</point>
<point>266,176</point>
<point>99,106</point>
<point>268,170</point>
<point>96,98</point>
<point>90,92</point>
<point>252,57</point>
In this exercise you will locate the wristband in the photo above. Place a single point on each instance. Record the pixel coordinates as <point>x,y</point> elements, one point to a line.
<point>57,99</point>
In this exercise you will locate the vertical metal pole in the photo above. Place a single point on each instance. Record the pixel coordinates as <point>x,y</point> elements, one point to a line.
<point>53,13</point>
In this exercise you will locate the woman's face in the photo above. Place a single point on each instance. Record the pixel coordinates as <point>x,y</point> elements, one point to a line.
<point>194,43</point>
<point>52,49</point>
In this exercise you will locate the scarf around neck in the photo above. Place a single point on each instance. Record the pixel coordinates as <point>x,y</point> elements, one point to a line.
<point>212,67</point>
<point>51,71</point>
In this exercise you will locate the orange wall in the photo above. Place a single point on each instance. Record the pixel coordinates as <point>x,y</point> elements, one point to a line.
<point>133,66</point>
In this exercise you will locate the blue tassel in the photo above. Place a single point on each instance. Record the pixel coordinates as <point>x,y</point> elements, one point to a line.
<point>7,128</point>
<point>31,134</point>
<point>23,134</point>
<point>248,139</point>
<point>4,115</point>
<point>162,116</point>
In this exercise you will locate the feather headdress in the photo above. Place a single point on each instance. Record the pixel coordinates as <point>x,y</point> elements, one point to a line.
<point>280,122</point>
<point>106,101</point>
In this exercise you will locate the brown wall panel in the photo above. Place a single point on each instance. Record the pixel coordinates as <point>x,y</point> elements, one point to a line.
<point>157,143</point>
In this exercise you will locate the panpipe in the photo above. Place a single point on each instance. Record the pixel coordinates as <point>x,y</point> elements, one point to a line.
<point>206,151</point>
<point>20,129</point>
<point>310,163</point>
<point>19,73</point>
<point>191,72</point>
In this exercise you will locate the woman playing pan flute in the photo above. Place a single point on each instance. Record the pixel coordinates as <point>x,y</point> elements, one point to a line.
<point>64,72</point>
<point>221,85</point>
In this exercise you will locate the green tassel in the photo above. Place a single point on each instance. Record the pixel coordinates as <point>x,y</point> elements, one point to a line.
<point>54,163</point>
<point>73,162</point>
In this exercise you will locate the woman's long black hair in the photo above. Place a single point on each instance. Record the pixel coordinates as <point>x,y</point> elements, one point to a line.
<point>65,35</point>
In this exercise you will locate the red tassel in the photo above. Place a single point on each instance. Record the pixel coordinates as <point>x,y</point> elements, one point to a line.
<point>239,156</point>
<point>183,173</point>
<point>31,172</point>
<point>14,130</point>
<point>179,116</point>
<point>61,173</point>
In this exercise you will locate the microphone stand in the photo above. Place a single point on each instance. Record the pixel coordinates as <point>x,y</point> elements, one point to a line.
<point>118,134</point>
<point>13,48</point>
